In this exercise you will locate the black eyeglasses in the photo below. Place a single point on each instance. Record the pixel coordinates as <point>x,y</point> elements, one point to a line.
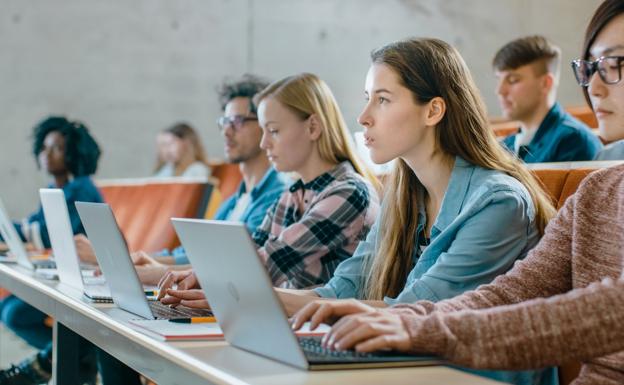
<point>609,69</point>
<point>236,122</point>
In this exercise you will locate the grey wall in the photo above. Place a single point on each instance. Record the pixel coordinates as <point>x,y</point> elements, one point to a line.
<point>130,68</point>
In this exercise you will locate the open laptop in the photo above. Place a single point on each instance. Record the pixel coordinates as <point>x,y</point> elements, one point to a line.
<point>12,239</point>
<point>114,259</point>
<point>64,249</point>
<point>247,308</point>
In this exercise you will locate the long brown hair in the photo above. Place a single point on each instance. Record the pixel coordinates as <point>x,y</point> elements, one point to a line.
<point>305,95</point>
<point>431,68</point>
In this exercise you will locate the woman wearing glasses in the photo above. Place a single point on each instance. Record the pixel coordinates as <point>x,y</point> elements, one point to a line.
<point>182,152</point>
<point>609,68</point>
<point>564,302</point>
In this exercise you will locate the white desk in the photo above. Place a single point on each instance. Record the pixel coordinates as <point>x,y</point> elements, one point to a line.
<point>195,362</point>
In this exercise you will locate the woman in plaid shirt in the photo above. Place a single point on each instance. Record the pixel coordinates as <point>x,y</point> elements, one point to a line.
<point>319,221</point>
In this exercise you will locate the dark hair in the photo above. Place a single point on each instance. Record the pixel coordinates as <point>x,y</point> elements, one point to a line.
<point>81,150</point>
<point>248,86</point>
<point>186,132</point>
<point>527,50</point>
<point>606,12</point>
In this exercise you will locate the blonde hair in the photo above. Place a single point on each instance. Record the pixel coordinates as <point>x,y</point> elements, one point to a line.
<point>305,95</point>
<point>431,68</point>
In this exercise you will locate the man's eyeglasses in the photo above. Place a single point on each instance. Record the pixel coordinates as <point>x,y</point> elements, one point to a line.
<point>609,69</point>
<point>236,122</point>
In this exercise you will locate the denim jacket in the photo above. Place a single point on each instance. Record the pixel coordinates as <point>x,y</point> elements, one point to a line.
<point>486,222</point>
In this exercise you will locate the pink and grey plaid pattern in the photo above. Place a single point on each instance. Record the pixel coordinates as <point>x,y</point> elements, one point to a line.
<point>316,225</point>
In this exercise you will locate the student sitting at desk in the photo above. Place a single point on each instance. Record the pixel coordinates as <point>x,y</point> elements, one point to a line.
<point>69,154</point>
<point>459,210</point>
<point>528,75</point>
<point>318,222</point>
<point>564,301</point>
<point>262,185</point>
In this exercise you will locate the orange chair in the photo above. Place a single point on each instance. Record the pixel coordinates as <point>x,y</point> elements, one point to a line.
<point>143,209</point>
<point>229,177</point>
<point>503,129</point>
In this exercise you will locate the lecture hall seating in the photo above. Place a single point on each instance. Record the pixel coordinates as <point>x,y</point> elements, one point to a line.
<point>143,207</point>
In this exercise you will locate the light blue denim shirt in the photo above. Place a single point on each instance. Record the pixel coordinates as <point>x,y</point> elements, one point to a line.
<point>486,222</point>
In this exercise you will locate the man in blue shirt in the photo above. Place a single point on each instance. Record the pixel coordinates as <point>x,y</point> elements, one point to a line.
<point>527,70</point>
<point>261,185</point>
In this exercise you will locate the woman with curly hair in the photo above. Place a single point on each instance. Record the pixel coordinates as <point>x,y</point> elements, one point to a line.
<point>66,151</point>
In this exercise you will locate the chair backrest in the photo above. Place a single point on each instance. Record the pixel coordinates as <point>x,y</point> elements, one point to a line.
<point>560,180</point>
<point>143,208</point>
<point>584,114</point>
<point>229,177</point>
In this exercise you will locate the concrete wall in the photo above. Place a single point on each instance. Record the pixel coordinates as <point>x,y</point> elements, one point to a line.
<point>131,68</point>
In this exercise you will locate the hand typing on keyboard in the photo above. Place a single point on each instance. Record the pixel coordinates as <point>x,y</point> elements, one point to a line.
<point>187,293</point>
<point>355,326</point>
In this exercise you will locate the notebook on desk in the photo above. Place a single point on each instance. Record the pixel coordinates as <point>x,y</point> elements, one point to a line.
<point>111,252</point>
<point>210,331</point>
<point>242,297</point>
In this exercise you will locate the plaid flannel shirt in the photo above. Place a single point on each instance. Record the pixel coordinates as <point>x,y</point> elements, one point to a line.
<point>316,225</point>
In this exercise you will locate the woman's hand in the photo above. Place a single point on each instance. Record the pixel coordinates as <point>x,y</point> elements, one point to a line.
<point>183,280</point>
<point>194,298</point>
<point>327,311</point>
<point>368,332</point>
<point>355,325</point>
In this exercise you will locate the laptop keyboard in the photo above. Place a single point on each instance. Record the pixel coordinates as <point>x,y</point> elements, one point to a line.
<point>313,350</point>
<point>162,311</point>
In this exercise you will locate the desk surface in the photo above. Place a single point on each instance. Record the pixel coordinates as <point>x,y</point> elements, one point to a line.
<point>193,361</point>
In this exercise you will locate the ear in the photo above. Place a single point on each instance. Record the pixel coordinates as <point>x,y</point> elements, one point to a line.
<point>315,127</point>
<point>436,108</point>
<point>548,82</point>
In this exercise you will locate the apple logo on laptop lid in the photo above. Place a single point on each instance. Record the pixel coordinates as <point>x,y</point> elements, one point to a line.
<point>233,292</point>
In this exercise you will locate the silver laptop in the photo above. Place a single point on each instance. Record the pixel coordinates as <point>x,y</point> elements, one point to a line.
<point>19,254</point>
<point>13,240</point>
<point>64,249</point>
<point>114,259</point>
<point>251,315</point>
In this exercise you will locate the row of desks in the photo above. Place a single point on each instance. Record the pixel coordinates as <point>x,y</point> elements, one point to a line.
<point>190,362</point>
